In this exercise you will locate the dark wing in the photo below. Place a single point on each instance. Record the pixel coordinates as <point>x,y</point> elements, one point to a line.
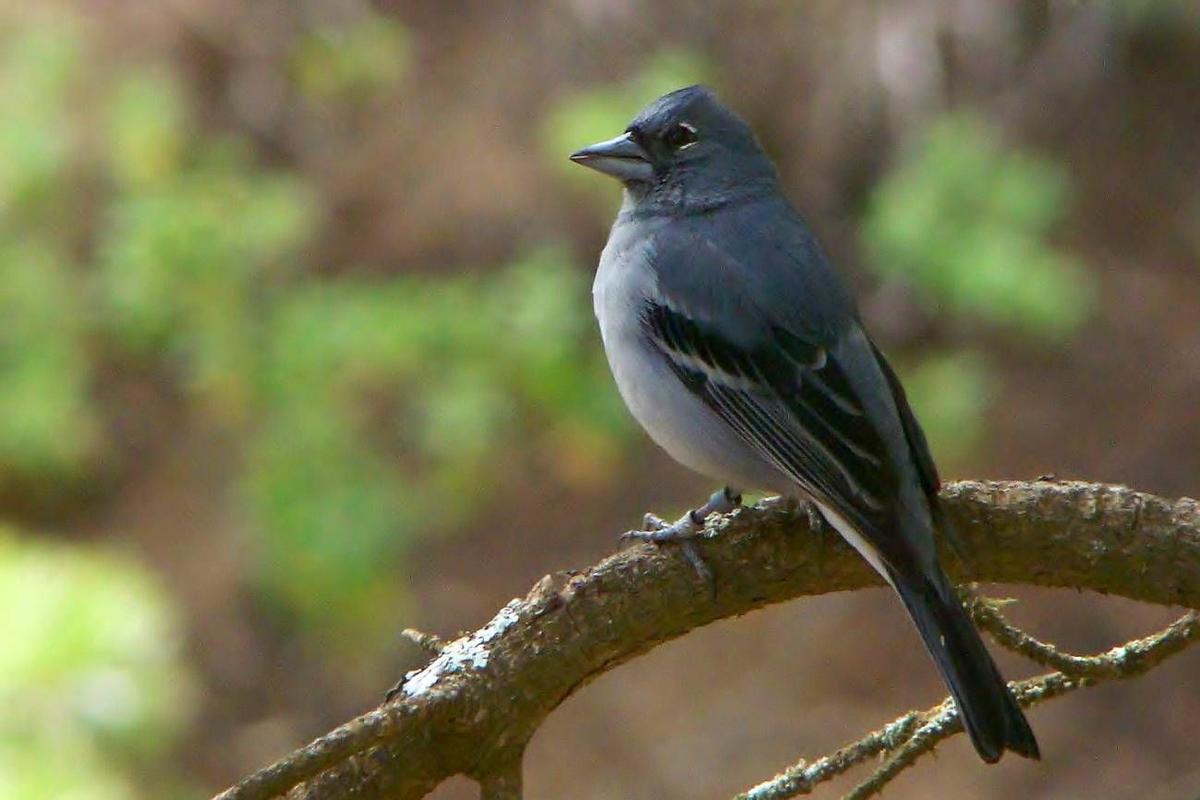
<point>790,400</point>
<point>922,458</point>
<point>813,400</point>
<point>918,447</point>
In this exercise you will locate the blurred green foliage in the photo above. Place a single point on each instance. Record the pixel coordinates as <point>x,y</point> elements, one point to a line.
<point>92,685</point>
<point>48,426</point>
<point>460,374</point>
<point>145,130</point>
<point>967,223</point>
<point>38,65</point>
<point>351,62</point>
<point>601,113</point>
<point>950,392</point>
<point>371,414</point>
<point>186,263</point>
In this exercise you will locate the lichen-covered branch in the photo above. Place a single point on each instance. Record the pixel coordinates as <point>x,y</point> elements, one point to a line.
<point>803,777</point>
<point>916,734</point>
<point>1124,661</point>
<point>475,706</point>
<point>1127,661</point>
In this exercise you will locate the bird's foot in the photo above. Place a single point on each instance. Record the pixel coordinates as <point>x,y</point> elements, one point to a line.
<point>658,530</point>
<point>686,528</point>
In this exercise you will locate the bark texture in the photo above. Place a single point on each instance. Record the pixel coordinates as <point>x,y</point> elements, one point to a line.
<point>475,706</point>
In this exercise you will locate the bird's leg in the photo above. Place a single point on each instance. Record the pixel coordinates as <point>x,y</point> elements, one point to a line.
<point>690,524</point>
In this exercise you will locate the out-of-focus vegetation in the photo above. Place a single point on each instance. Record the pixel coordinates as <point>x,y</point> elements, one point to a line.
<point>193,246</point>
<point>186,198</point>
<point>47,425</point>
<point>460,373</point>
<point>94,690</point>
<point>967,225</point>
<point>350,63</point>
<point>371,414</point>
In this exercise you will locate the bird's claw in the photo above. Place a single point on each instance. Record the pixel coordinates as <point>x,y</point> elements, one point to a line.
<point>684,530</point>
<point>659,531</point>
<point>653,522</point>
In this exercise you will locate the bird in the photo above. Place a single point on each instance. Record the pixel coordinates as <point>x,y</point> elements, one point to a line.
<point>738,347</point>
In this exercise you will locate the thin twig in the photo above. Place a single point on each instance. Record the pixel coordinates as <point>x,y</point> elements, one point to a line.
<point>803,777</point>
<point>915,734</point>
<point>1120,663</point>
<point>944,722</point>
<point>426,641</point>
<point>1123,661</point>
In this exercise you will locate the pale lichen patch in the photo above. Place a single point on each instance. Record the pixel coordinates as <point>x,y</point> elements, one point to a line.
<point>469,652</point>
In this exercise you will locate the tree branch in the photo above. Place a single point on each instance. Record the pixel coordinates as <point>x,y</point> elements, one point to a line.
<point>475,706</point>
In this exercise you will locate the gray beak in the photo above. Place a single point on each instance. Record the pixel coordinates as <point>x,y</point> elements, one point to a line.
<point>622,157</point>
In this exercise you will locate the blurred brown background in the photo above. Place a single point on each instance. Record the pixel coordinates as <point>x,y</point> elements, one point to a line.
<point>296,351</point>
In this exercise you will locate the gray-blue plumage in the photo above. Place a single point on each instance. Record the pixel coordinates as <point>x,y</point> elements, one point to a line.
<point>738,347</point>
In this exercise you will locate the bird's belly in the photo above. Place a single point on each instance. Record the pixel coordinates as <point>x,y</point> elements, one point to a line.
<point>679,422</point>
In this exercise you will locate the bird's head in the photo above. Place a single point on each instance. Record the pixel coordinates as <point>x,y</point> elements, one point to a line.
<point>684,150</point>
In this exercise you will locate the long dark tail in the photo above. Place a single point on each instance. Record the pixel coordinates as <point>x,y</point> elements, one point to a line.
<point>988,709</point>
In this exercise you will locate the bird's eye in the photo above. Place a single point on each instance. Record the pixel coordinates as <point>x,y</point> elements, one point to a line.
<point>680,136</point>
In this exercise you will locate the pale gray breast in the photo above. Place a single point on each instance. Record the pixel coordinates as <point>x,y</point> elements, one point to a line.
<point>676,420</point>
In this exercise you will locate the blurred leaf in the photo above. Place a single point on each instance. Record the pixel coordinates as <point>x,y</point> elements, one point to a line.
<point>48,428</point>
<point>967,224</point>
<point>390,408</point>
<point>329,524</point>
<point>351,62</point>
<point>145,129</point>
<point>37,65</point>
<point>90,675</point>
<point>184,265</point>
<point>950,394</point>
